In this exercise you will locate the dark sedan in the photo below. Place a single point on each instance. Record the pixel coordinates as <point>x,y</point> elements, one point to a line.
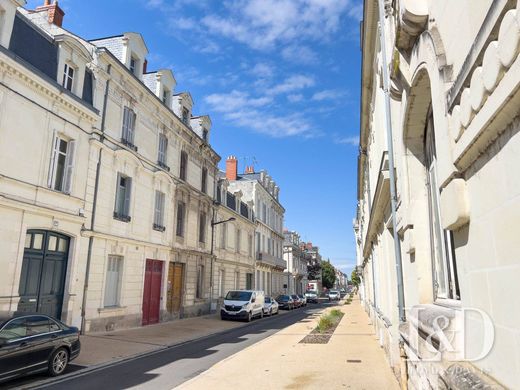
<point>285,302</point>
<point>31,343</point>
<point>297,301</point>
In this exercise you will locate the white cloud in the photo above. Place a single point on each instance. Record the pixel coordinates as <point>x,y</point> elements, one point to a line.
<point>328,94</point>
<point>262,70</point>
<point>252,113</point>
<point>299,54</point>
<point>350,140</point>
<point>294,98</point>
<point>293,83</point>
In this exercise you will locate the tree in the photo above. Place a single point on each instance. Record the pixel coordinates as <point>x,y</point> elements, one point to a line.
<point>355,278</point>
<point>313,271</point>
<point>328,274</point>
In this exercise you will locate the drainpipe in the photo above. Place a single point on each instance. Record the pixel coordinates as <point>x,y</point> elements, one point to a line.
<point>94,206</point>
<point>393,192</point>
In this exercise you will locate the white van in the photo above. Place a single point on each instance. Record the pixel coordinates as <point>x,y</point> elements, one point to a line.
<point>243,304</point>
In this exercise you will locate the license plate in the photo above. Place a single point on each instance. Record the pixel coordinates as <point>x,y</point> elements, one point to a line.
<point>232,313</point>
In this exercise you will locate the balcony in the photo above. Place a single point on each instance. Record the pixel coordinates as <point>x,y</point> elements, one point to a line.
<point>271,260</point>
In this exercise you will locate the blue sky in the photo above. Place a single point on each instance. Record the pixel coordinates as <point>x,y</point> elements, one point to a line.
<point>280,80</point>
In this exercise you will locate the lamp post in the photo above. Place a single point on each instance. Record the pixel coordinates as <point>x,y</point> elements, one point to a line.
<point>213,224</point>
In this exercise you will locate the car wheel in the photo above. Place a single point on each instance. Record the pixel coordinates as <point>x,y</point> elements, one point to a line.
<point>249,317</point>
<point>270,312</point>
<point>58,361</point>
<point>262,313</point>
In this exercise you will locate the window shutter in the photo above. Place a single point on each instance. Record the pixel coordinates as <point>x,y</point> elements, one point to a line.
<point>54,158</point>
<point>125,123</point>
<point>132,126</point>
<point>69,166</point>
<point>117,208</point>
<point>128,194</point>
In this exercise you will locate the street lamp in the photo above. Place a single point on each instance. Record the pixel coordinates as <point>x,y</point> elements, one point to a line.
<point>213,224</point>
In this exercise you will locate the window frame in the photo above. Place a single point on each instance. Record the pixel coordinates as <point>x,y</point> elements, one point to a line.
<point>183,166</point>
<point>199,290</point>
<point>202,227</point>
<point>65,184</point>
<point>158,216</point>
<point>116,262</point>
<point>124,213</point>
<point>180,219</point>
<point>204,180</point>
<point>162,152</point>
<point>128,128</point>
<point>68,80</point>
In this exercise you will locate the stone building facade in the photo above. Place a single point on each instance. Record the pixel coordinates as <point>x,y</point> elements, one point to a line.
<point>454,97</point>
<point>107,179</point>
<point>262,191</point>
<point>297,260</point>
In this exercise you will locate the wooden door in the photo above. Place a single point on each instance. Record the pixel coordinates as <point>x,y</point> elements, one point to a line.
<point>175,285</point>
<point>42,281</point>
<point>152,291</point>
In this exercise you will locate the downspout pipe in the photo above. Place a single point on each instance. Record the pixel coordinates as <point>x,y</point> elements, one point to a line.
<point>391,165</point>
<point>94,206</point>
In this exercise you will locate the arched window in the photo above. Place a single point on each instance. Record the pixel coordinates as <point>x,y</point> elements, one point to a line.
<point>445,281</point>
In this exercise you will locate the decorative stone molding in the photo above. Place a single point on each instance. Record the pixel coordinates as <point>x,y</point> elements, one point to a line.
<point>498,57</point>
<point>454,205</point>
<point>413,17</point>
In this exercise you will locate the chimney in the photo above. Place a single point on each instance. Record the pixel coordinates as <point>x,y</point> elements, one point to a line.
<point>145,66</point>
<point>231,168</point>
<point>250,169</point>
<point>54,13</point>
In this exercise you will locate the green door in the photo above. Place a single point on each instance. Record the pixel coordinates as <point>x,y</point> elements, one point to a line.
<point>42,280</point>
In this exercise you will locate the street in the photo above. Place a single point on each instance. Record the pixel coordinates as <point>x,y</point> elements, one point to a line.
<point>169,368</point>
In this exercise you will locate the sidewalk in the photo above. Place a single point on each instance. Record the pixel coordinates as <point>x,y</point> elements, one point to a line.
<point>351,359</point>
<point>101,348</point>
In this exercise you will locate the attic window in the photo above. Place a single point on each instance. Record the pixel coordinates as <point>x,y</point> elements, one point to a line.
<point>165,96</point>
<point>185,116</point>
<point>205,135</point>
<point>133,64</point>
<point>68,77</point>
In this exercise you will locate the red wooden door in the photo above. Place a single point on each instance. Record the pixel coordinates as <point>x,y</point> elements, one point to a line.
<point>152,291</point>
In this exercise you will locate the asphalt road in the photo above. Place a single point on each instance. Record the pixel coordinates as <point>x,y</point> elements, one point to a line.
<point>168,368</point>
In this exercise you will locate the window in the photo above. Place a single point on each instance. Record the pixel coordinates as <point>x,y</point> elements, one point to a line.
<point>14,329</point>
<point>264,213</point>
<point>249,281</point>
<point>205,135</point>
<point>223,235</point>
<point>257,282</point>
<point>158,219</point>
<point>202,227</point>
<point>62,164</point>
<point>258,242</point>
<point>181,211</point>
<point>166,96</point>
<point>237,241</point>
<point>123,193</point>
<point>250,245</point>
<point>113,281</point>
<point>185,116</point>
<point>446,283</point>
<point>163,148</point>
<point>68,77</point>
<point>38,325</point>
<point>128,128</point>
<point>204,180</point>
<point>183,165</point>
<point>200,281</point>
<point>133,65</point>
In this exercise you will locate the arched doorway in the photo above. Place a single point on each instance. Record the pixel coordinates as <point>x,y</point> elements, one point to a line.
<point>42,280</point>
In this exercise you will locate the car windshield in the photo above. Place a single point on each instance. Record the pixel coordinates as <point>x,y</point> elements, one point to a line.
<point>294,296</point>
<point>238,295</point>
<point>267,300</point>
<point>282,298</point>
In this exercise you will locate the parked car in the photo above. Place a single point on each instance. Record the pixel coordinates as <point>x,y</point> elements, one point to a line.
<point>285,302</point>
<point>270,306</point>
<point>31,343</point>
<point>334,295</point>
<point>303,299</point>
<point>311,296</point>
<point>342,293</point>
<point>297,301</point>
<point>243,304</point>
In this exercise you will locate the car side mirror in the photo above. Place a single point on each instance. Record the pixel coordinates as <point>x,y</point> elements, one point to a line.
<point>253,300</point>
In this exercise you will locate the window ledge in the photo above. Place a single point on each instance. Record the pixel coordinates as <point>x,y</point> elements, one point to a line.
<point>158,228</point>
<point>163,166</point>
<point>121,217</point>
<point>112,309</point>
<point>129,144</point>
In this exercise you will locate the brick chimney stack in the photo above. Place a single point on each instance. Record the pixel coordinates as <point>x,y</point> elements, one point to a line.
<point>231,168</point>
<point>54,12</point>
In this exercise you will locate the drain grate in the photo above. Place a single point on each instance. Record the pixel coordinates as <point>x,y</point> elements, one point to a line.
<point>353,360</point>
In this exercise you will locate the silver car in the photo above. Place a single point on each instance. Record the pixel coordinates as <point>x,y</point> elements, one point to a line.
<point>334,295</point>
<point>270,306</point>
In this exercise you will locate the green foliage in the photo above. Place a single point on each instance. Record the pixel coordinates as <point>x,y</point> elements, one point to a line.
<point>329,320</point>
<point>355,278</point>
<point>336,313</point>
<point>328,275</point>
<point>313,271</point>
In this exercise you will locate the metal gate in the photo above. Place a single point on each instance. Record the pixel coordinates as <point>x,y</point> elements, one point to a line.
<point>42,280</point>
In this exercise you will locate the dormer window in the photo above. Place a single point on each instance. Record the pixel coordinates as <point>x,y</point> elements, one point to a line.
<point>68,77</point>
<point>133,64</point>
<point>165,96</point>
<point>205,135</point>
<point>186,116</point>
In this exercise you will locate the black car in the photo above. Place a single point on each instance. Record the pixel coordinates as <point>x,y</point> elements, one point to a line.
<point>31,343</point>
<point>285,302</point>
